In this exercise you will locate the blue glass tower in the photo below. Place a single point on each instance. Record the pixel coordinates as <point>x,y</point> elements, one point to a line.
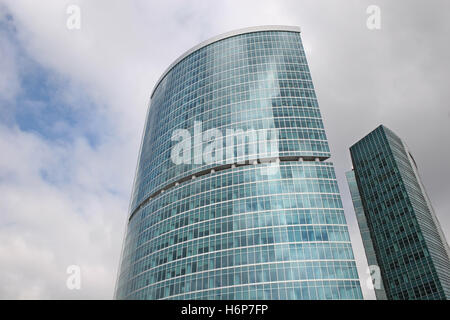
<point>402,234</point>
<point>233,197</point>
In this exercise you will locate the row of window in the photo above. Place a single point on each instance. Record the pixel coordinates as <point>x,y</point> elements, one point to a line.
<point>226,178</point>
<point>178,264</point>
<point>162,249</point>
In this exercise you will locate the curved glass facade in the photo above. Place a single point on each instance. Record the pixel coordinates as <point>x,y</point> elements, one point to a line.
<point>236,227</point>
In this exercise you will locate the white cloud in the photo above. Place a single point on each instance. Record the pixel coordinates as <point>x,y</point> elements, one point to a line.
<point>47,226</point>
<point>9,80</point>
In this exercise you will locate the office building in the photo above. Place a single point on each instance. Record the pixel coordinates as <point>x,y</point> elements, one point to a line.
<point>233,195</point>
<point>403,235</point>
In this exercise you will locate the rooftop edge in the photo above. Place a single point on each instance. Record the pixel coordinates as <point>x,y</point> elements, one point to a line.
<point>221,37</point>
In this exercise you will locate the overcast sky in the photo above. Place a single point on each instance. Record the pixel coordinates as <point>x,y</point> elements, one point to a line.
<point>73,102</point>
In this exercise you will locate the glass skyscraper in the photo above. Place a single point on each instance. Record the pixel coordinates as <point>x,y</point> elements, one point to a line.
<point>378,285</point>
<point>400,231</point>
<point>233,197</point>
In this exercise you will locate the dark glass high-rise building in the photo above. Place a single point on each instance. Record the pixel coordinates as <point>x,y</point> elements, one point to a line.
<point>405,238</point>
<point>233,197</point>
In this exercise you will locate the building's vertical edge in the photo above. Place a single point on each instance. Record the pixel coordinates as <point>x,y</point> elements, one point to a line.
<point>369,249</point>
<point>131,199</point>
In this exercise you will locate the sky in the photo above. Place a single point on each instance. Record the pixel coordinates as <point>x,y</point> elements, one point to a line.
<point>73,105</point>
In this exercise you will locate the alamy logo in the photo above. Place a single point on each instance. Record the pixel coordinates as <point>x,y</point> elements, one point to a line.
<point>233,146</point>
<point>374,281</point>
<point>73,282</point>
